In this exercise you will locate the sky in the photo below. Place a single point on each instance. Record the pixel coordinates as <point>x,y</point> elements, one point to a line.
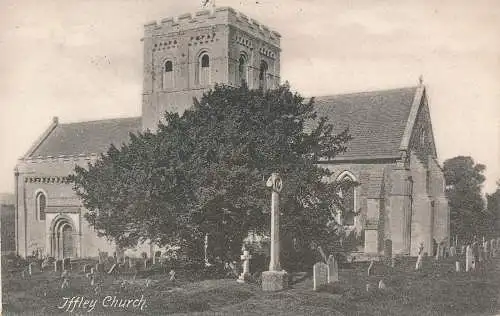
<point>82,60</point>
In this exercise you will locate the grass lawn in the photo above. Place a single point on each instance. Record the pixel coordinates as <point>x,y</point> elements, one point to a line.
<point>436,290</point>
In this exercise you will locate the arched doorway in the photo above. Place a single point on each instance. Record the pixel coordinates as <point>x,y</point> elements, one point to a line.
<point>62,242</point>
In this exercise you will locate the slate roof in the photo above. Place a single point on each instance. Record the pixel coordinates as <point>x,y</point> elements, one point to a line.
<point>376,120</point>
<point>92,137</point>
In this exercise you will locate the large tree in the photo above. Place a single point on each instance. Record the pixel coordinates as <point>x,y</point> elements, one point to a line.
<point>204,172</point>
<point>464,179</point>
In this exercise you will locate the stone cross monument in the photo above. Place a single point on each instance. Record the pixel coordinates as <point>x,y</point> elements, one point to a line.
<point>246,267</point>
<point>275,279</point>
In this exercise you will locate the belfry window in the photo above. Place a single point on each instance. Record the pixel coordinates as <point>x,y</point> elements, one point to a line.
<point>41,205</point>
<point>168,75</point>
<point>263,75</point>
<point>203,70</point>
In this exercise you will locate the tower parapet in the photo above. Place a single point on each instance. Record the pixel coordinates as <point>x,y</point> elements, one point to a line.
<point>186,55</point>
<point>209,18</point>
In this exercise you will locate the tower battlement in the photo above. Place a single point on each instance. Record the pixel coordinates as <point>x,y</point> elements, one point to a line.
<point>209,18</point>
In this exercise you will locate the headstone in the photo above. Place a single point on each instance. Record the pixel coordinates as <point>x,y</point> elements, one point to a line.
<point>65,277</point>
<point>92,276</point>
<point>172,275</point>
<point>469,259</point>
<point>58,265</point>
<point>87,268</point>
<point>381,285</point>
<point>453,251</point>
<point>368,287</point>
<point>333,270</point>
<point>320,275</point>
<point>370,267</point>
<point>438,251</point>
<point>67,264</point>
<point>276,278</point>
<point>113,269</point>
<point>457,266</point>
<point>486,250</point>
<point>418,264</point>
<point>246,266</point>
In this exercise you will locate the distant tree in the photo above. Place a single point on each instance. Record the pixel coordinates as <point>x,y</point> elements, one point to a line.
<point>493,207</point>
<point>464,179</point>
<point>205,172</point>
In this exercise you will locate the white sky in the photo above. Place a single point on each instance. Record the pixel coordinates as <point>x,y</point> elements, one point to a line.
<point>82,59</point>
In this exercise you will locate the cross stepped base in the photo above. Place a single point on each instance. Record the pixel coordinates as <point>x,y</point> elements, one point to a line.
<point>274,281</point>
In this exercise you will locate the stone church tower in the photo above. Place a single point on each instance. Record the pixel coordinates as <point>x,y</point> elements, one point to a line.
<point>186,55</point>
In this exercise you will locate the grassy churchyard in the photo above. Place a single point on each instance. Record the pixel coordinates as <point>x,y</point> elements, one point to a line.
<point>434,290</point>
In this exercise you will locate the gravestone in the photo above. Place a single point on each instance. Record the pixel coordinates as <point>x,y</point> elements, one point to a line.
<point>113,269</point>
<point>87,268</point>
<point>333,270</point>
<point>381,285</point>
<point>368,287</point>
<point>418,264</point>
<point>65,277</point>
<point>246,267</point>
<point>370,268</point>
<point>30,268</point>
<point>172,275</point>
<point>469,259</point>
<point>67,264</point>
<point>457,266</point>
<point>453,251</point>
<point>320,275</point>
<point>438,251</point>
<point>147,263</point>
<point>58,265</point>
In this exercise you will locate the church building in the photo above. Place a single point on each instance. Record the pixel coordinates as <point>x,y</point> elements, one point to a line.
<point>398,204</point>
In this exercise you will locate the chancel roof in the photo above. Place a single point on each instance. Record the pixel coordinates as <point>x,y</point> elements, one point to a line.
<point>377,120</point>
<point>85,138</point>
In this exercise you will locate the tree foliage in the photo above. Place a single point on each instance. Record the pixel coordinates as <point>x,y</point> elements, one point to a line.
<point>464,179</point>
<point>205,171</point>
<point>493,210</point>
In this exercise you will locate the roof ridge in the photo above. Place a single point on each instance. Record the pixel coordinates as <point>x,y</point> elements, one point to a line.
<point>101,120</point>
<point>322,97</point>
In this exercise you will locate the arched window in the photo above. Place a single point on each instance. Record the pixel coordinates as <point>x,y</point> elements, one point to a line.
<point>203,70</point>
<point>41,205</point>
<point>242,69</point>
<point>346,192</point>
<point>168,75</point>
<point>168,66</point>
<point>263,75</point>
<point>205,61</point>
